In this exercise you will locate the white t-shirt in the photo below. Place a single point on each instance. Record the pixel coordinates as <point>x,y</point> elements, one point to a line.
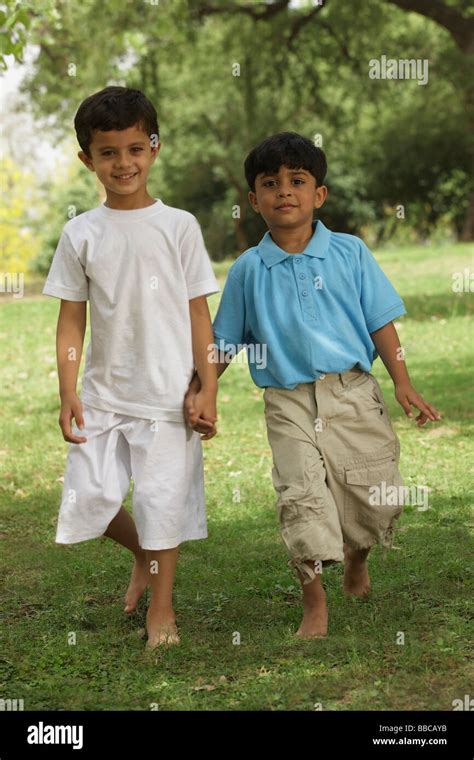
<point>138,269</point>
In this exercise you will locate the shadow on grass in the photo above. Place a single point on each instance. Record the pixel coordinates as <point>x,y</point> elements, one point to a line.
<point>442,305</point>
<point>238,606</point>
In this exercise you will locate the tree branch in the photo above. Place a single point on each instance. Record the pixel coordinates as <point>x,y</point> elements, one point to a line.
<point>460,27</point>
<point>301,22</point>
<point>259,12</point>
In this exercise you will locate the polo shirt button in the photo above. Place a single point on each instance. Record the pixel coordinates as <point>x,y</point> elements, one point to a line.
<point>304,292</point>
<point>302,276</point>
<point>297,261</point>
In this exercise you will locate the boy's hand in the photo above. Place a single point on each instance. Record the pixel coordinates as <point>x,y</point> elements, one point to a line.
<point>200,412</point>
<point>406,396</point>
<point>71,407</point>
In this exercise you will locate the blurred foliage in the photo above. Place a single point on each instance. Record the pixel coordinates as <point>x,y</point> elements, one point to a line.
<point>18,243</point>
<point>72,191</point>
<point>14,24</point>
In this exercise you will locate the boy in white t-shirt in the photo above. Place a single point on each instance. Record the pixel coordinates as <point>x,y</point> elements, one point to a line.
<point>145,270</point>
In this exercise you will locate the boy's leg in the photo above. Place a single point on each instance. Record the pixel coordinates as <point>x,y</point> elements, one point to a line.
<point>315,614</point>
<point>356,572</point>
<point>160,619</point>
<point>308,515</point>
<point>98,475</point>
<point>122,530</point>
<point>168,507</point>
<point>361,450</point>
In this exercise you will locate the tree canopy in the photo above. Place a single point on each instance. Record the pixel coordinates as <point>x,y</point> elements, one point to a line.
<point>224,75</point>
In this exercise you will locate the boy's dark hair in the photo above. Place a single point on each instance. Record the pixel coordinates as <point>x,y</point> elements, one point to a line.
<point>285,149</point>
<point>114,108</point>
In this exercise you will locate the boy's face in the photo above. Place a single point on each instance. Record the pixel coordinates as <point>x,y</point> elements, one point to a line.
<point>287,199</point>
<point>121,159</point>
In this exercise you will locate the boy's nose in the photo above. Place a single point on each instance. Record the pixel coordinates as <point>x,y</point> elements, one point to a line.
<point>121,162</point>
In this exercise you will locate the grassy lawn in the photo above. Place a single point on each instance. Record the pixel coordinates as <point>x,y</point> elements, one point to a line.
<point>236,585</point>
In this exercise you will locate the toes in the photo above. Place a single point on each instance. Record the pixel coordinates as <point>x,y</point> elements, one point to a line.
<point>165,636</point>
<point>303,635</point>
<point>163,639</point>
<point>130,604</point>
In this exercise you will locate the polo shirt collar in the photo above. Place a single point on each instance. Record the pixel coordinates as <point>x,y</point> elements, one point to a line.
<point>272,254</point>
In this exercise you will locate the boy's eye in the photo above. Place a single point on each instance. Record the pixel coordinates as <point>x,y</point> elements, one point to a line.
<point>109,152</point>
<point>270,182</point>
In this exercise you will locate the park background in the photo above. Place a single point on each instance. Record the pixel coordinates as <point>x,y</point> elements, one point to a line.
<point>223,75</point>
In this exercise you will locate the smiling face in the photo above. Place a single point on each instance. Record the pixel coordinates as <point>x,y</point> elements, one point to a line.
<point>122,160</point>
<point>287,199</point>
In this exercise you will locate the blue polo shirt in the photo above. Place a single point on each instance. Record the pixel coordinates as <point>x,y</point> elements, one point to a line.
<point>301,315</point>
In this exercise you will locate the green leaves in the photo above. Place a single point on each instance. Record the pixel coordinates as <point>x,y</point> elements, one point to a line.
<point>14,23</point>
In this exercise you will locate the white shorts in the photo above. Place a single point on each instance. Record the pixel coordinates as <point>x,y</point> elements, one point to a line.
<point>166,463</point>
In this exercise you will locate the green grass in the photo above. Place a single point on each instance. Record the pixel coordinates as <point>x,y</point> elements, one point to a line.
<point>237,581</point>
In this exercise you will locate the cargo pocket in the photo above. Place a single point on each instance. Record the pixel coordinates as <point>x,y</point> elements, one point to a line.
<point>373,500</point>
<point>303,530</point>
<point>302,513</point>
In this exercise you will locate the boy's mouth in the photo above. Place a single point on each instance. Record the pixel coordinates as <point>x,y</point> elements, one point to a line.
<point>125,177</point>
<point>285,206</point>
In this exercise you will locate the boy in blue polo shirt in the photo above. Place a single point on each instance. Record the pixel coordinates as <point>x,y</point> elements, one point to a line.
<point>320,309</point>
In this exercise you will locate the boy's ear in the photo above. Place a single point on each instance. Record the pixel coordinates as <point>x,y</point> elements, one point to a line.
<point>253,201</point>
<point>86,160</point>
<point>321,195</point>
<point>155,149</point>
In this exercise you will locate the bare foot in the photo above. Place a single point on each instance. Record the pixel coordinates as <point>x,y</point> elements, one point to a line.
<point>137,585</point>
<point>161,628</point>
<point>356,572</point>
<point>314,624</point>
<point>315,615</point>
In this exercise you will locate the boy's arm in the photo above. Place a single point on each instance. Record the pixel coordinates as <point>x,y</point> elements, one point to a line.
<point>230,321</point>
<point>69,341</point>
<point>388,346</point>
<point>202,338</point>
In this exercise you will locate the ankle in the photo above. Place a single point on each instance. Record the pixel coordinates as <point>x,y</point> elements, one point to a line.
<point>357,556</point>
<point>159,608</point>
<point>160,617</point>
<point>314,597</point>
<point>314,606</point>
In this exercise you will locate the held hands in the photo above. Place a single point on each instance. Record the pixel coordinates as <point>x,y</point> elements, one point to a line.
<point>200,412</point>
<point>71,407</point>
<point>407,397</point>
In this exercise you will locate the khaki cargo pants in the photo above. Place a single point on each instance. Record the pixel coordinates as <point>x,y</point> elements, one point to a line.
<point>335,466</point>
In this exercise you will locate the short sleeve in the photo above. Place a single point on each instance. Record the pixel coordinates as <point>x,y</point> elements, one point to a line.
<point>66,278</point>
<point>229,322</point>
<point>197,267</point>
<point>379,300</point>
